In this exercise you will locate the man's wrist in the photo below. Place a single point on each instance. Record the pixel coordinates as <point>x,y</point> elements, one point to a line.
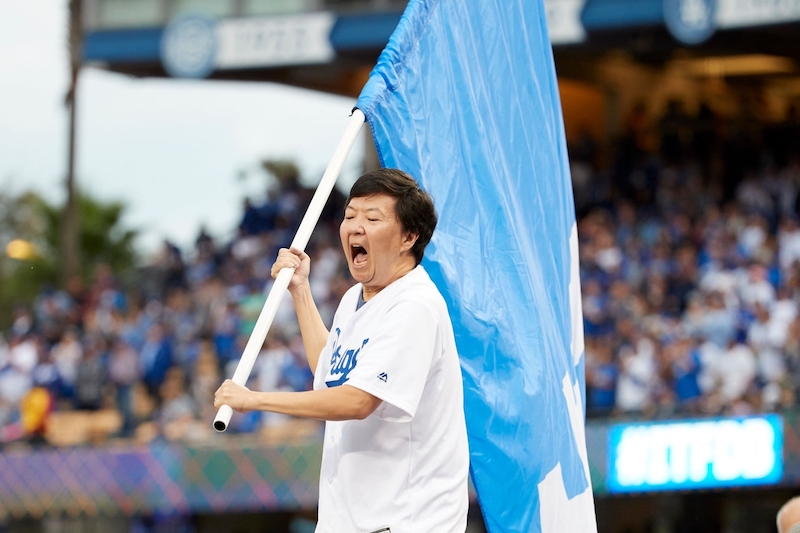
<point>301,290</point>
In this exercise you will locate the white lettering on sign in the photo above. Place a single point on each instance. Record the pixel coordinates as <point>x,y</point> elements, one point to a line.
<point>564,21</point>
<point>275,41</point>
<point>688,453</point>
<point>741,13</point>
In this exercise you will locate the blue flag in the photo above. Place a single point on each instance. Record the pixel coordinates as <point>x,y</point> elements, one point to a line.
<point>465,99</point>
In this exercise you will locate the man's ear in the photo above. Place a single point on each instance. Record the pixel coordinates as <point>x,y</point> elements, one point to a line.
<point>409,239</point>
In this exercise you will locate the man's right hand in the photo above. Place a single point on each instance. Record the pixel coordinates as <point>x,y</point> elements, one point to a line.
<point>293,258</point>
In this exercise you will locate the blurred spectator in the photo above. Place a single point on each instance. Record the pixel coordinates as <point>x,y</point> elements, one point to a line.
<point>52,309</point>
<point>685,366</point>
<point>156,358</point>
<point>15,383</point>
<point>226,331</point>
<point>23,352</point>
<point>183,323</point>
<point>35,407</point>
<point>250,307</point>
<point>637,378</point>
<point>205,380</point>
<point>23,321</point>
<point>45,374</point>
<point>788,243</point>
<point>757,289</point>
<point>170,267</point>
<point>257,220</point>
<point>66,354</point>
<point>715,321</point>
<point>92,375</point>
<point>124,373</point>
<point>735,372</point>
<point>295,374</point>
<point>269,372</point>
<point>177,414</point>
<point>205,262</point>
<point>601,375</point>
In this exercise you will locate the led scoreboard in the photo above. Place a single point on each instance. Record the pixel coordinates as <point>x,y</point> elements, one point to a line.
<point>693,454</point>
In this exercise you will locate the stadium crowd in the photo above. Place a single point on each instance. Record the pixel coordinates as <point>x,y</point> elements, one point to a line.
<point>690,267</point>
<point>690,272</point>
<point>142,362</point>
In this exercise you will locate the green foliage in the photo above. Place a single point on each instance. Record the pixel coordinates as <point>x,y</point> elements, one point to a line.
<point>20,280</point>
<point>30,217</point>
<point>283,170</point>
<point>101,238</point>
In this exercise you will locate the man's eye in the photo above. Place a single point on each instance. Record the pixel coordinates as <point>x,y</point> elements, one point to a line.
<point>372,219</point>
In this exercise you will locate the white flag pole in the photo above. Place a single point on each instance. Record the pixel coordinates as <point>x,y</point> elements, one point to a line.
<point>310,219</point>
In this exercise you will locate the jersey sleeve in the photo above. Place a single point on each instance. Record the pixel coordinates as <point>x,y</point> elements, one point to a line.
<point>396,360</point>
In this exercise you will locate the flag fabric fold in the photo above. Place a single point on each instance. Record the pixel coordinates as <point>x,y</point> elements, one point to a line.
<point>465,99</point>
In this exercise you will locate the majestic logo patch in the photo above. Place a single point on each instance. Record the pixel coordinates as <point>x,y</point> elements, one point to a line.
<point>383,376</point>
<point>343,363</point>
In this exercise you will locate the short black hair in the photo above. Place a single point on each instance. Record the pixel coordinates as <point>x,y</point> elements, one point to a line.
<point>414,207</point>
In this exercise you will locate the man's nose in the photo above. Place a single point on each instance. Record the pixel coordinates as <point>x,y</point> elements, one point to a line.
<point>355,226</point>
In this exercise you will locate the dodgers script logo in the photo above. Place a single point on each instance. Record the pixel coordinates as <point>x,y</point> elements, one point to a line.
<point>342,363</point>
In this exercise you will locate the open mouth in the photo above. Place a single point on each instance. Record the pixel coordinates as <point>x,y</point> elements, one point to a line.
<point>358,254</point>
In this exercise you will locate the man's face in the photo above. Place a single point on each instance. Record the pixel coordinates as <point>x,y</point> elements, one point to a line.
<point>376,247</point>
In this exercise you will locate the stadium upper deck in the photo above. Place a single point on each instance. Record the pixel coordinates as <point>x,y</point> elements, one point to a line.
<point>331,45</point>
<point>610,54</point>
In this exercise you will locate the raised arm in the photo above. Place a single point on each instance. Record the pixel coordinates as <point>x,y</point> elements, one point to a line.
<point>312,329</point>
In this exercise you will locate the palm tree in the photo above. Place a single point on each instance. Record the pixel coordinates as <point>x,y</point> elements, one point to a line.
<point>70,249</point>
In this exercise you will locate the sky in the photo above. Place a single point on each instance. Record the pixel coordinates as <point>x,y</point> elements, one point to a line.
<point>174,151</point>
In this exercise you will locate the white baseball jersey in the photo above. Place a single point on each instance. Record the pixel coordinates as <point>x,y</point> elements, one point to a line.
<point>404,468</point>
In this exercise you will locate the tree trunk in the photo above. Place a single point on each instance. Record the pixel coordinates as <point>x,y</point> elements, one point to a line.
<point>70,250</point>
<point>70,246</point>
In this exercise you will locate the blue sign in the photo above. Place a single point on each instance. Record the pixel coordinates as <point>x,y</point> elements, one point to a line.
<point>189,47</point>
<point>690,21</point>
<point>693,454</point>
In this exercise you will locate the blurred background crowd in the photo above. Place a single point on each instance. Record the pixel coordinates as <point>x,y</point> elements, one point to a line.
<point>141,360</point>
<point>690,271</point>
<point>689,246</point>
